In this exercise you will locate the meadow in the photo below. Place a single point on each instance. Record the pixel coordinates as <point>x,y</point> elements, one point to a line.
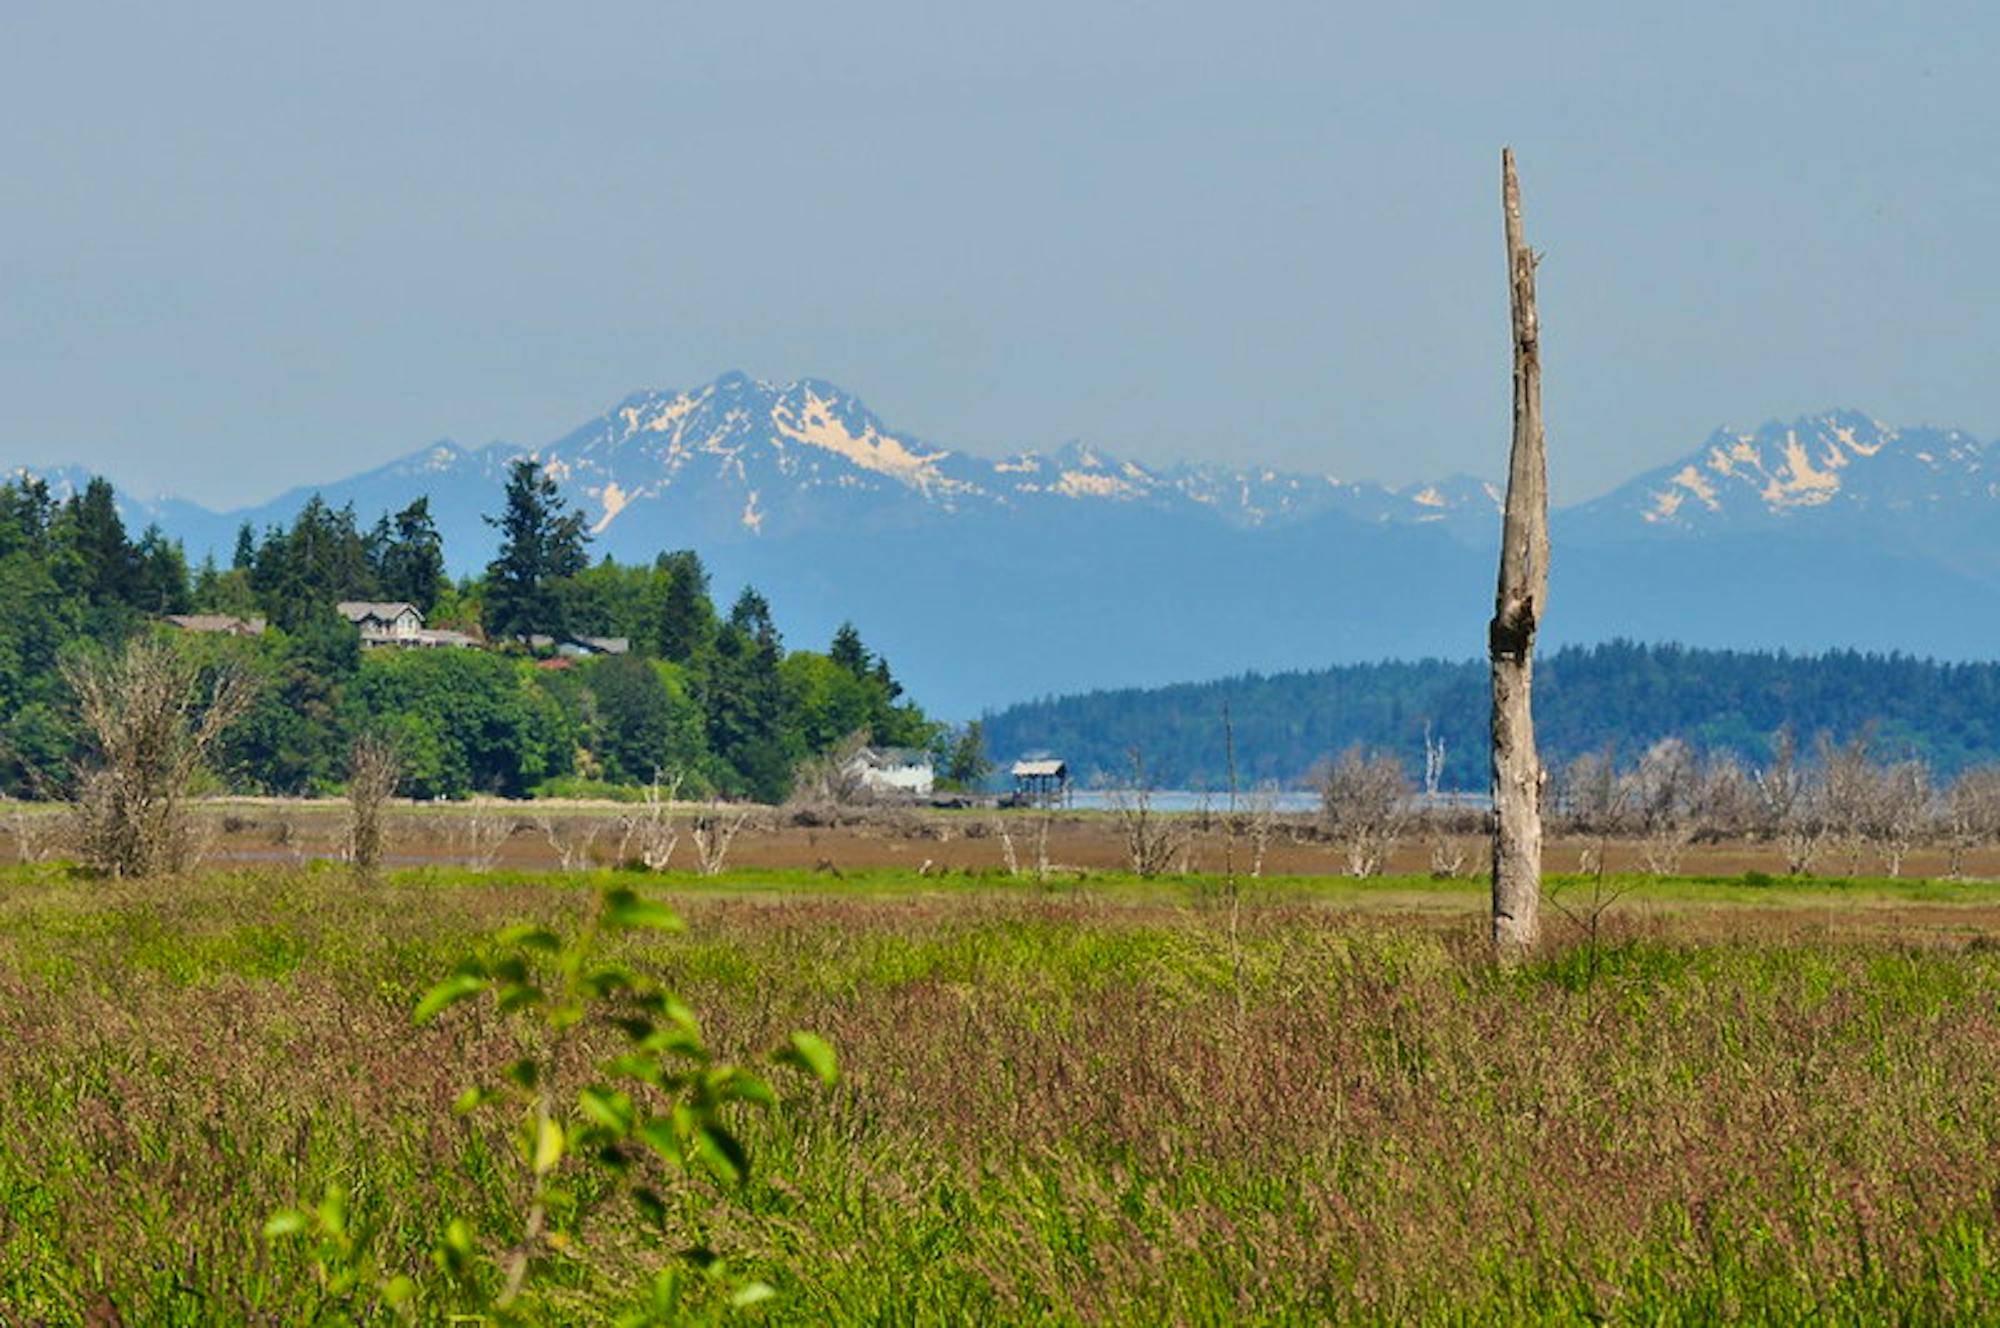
<point>1100,1101</point>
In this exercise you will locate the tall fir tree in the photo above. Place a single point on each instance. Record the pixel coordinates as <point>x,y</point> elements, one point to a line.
<point>103,560</point>
<point>409,556</point>
<point>687,616</point>
<point>541,547</point>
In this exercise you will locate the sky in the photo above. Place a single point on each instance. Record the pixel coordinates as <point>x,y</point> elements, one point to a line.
<point>250,245</point>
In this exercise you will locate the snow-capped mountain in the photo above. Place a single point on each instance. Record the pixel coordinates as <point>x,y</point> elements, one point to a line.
<point>1839,465</point>
<point>988,579</point>
<point>742,457</point>
<point>1934,493</point>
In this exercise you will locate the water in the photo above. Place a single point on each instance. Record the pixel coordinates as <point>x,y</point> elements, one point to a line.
<point>1285,800</point>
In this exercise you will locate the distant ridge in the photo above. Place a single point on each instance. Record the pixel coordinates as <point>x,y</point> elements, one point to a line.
<point>1620,696</point>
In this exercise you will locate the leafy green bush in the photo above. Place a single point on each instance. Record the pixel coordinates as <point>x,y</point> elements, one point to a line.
<point>657,1111</point>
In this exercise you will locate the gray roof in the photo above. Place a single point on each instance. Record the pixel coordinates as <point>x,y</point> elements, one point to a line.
<point>357,610</point>
<point>1039,769</point>
<point>888,757</point>
<point>216,622</point>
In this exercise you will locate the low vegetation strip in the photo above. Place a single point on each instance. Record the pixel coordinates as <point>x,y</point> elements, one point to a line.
<point>1109,1101</point>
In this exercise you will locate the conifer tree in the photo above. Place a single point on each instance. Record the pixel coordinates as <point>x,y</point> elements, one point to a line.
<point>409,556</point>
<point>541,546</point>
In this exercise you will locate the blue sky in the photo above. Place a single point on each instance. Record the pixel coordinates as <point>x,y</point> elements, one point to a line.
<point>252,245</point>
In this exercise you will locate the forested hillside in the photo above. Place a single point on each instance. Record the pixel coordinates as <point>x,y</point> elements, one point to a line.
<point>1622,695</point>
<point>712,698</point>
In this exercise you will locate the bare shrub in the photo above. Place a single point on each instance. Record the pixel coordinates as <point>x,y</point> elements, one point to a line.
<point>287,834</point>
<point>1038,844</point>
<point>33,834</point>
<point>715,828</point>
<point>152,718</point>
<point>374,767</point>
<point>1449,857</point>
<point>1258,821</point>
<point>1971,814</point>
<point>1726,802</point>
<point>1899,811</point>
<point>1792,805</point>
<point>649,832</point>
<point>1365,805</point>
<point>572,839</point>
<point>1665,791</point>
<point>1848,786</point>
<point>1154,841</point>
<point>835,778</point>
<point>1596,803</point>
<point>481,834</point>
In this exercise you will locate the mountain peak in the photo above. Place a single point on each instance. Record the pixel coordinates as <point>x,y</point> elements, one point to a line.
<point>1837,459</point>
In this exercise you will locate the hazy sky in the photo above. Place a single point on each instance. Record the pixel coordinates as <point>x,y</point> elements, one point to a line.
<point>248,245</point>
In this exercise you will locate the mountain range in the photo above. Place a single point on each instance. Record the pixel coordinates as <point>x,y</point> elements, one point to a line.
<point>989,580</point>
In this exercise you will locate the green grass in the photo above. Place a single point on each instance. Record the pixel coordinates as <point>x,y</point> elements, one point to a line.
<point>1101,1101</point>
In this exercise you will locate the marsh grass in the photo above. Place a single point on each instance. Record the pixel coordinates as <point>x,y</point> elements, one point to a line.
<point>1075,1104</point>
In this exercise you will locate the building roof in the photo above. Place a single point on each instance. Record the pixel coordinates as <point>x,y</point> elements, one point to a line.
<point>360,610</point>
<point>887,757</point>
<point>1039,769</point>
<point>216,622</point>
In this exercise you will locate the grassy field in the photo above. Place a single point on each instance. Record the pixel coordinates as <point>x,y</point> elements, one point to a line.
<point>1112,1101</point>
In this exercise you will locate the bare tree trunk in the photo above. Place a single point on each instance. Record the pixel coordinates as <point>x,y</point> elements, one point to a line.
<point>1518,604</point>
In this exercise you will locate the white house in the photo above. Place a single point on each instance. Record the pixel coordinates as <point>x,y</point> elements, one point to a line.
<point>895,770</point>
<point>396,624</point>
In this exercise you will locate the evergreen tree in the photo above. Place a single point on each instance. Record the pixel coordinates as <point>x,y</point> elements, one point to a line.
<point>848,652</point>
<point>409,557</point>
<point>748,714</point>
<point>162,582</point>
<point>245,556</point>
<point>320,561</point>
<point>687,616</point>
<point>541,546</point>
<point>102,559</point>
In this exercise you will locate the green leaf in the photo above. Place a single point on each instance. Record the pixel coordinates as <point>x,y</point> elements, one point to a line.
<point>651,1206</point>
<point>454,1253</point>
<point>285,1222</point>
<point>548,1146</point>
<point>610,1109</point>
<point>518,996</point>
<point>472,1099</point>
<point>530,937</point>
<point>608,978</point>
<point>399,1291</point>
<point>524,1072</point>
<point>644,1068</point>
<point>752,1293</point>
<point>625,911</point>
<point>458,987</point>
<point>719,1151</point>
<point>333,1211</point>
<point>682,1017</point>
<point>813,1054</point>
<point>738,1085</point>
<point>659,1135</point>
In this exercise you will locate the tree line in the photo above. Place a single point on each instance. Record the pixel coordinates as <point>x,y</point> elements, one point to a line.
<point>712,697</point>
<point>1621,695</point>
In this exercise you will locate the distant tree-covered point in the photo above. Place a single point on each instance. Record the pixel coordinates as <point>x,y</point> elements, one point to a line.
<point>1620,696</point>
<point>550,672</point>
